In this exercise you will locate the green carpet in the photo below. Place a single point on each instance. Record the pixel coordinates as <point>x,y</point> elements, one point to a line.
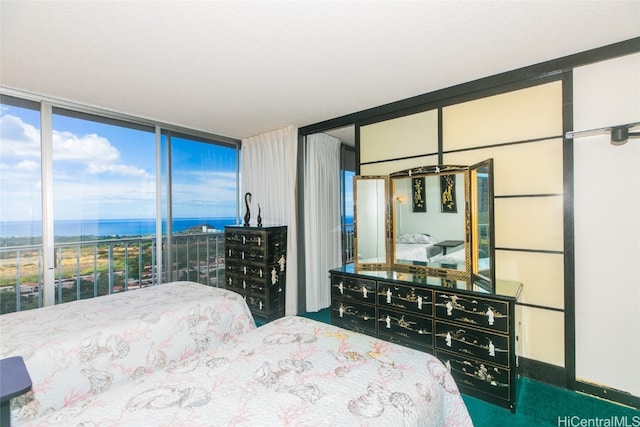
<point>540,404</point>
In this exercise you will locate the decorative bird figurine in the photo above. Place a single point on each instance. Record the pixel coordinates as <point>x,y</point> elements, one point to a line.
<point>247,215</point>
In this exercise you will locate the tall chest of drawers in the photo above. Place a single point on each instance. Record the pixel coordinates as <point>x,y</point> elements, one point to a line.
<point>472,333</point>
<point>255,267</point>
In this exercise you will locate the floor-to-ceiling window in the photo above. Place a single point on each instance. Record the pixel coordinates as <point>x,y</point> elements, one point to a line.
<point>103,204</point>
<point>20,205</point>
<point>132,203</point>
<point>347,172</point>
<point>203,177</point>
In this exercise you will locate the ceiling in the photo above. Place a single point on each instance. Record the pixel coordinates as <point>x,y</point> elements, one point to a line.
<point>241,68</point>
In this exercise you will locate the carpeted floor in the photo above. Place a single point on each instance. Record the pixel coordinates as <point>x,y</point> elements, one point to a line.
<point>540,404</point>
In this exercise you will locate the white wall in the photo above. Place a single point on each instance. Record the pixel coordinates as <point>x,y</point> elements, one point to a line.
<point>607,226</point>
<point>440,226</point>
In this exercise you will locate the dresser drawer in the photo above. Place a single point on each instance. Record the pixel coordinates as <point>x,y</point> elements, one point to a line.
<point>406,326</point>
<point>243,284</point>
<point>355,327</point>
<point>475,343</point>
<point>246,238</point>
<point>486,378</point>
<point>483,312</point>
<point>262,306</point>
<point>257,246</point>
<point>396,339</point>
<point>246,253</point>
<point>256,303</point>
<point>409,298</point>
<point>239,268</point>
<point>353,288</point>
<point>353,315</point>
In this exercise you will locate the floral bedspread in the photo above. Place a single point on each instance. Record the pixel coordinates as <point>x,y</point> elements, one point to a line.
<point>84,348</point>
<point>291,372</point>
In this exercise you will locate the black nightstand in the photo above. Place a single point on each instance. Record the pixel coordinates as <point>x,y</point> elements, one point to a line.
<point>15,381</point>
<point>448,244</point>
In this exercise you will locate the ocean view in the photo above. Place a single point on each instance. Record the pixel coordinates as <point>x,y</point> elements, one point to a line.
<point>106,227</point>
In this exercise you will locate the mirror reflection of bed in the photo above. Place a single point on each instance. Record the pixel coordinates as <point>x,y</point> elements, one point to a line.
<point>427,234</point>
<point>423,248</point>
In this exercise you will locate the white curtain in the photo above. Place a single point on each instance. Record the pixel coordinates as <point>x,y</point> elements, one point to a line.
<point>323,243</point>
<point>268,171</point>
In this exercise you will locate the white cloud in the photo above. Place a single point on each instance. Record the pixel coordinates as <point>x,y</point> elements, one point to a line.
<point>19,139</point>
<point>28,165</point>
<point>89,172</point>
<point>86,149</point>
<point>94,153</point>
<point>122,170</point>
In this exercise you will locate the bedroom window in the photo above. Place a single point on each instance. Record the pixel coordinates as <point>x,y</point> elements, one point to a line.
<point>98,173</point>
<point>104,204</point>
<point>202,200</point>
<point>20,198</point>
<point>347,172</point>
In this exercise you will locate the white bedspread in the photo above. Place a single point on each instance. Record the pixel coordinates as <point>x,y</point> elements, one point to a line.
<point>413,251</point>
<point>291,372</point>
<point>80,349</point>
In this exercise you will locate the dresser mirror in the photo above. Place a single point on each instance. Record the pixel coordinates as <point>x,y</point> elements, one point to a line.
<point>431,220</point>
<point>482,230</point>
<point>371,217</point>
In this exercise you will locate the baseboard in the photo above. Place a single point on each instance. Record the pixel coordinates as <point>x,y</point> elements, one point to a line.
<point>543,372</point>
<point>608,393</point>
<point>557,375</point>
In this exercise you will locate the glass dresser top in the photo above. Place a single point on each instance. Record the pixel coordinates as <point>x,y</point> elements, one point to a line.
<point>505,288</point>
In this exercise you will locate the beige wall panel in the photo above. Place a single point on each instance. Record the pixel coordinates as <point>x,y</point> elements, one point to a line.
<point>607,93</point>
<point>529,223</point>
<point>607,224</point>
<point>541,274</point>
<point>402,137</point>
<point>541,335</point>
<point>531,168</point>
<point>524,114</point>
<point>385,168</point>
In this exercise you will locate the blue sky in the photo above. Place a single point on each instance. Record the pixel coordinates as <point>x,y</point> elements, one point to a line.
<point>102,171</point>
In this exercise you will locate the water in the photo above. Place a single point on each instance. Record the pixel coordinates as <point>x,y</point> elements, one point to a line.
<point>106,227</point>
<point>110,227</point>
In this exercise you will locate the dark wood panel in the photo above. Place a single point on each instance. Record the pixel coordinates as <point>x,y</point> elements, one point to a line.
<point>353,288</point>
<point>406,327</point>
<point>478,376</point>
<point>472,310</point>
<point>255,267</point>
<point>491,348</point>
<point>472,334</point>
<point>414,299</point>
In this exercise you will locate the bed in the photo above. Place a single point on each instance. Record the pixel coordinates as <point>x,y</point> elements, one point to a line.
<point>292,371</point>
<point>416,247</point>
<point>80,349</point>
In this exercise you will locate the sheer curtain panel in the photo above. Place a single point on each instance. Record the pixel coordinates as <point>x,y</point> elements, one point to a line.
<point>322,217</point>
<point>268,171</point>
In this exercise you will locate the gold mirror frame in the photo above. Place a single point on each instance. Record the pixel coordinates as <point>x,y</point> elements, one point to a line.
<point>372,226</point>
<point>438,199</point>
<point>482,226</point>
<point>478,224</point>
